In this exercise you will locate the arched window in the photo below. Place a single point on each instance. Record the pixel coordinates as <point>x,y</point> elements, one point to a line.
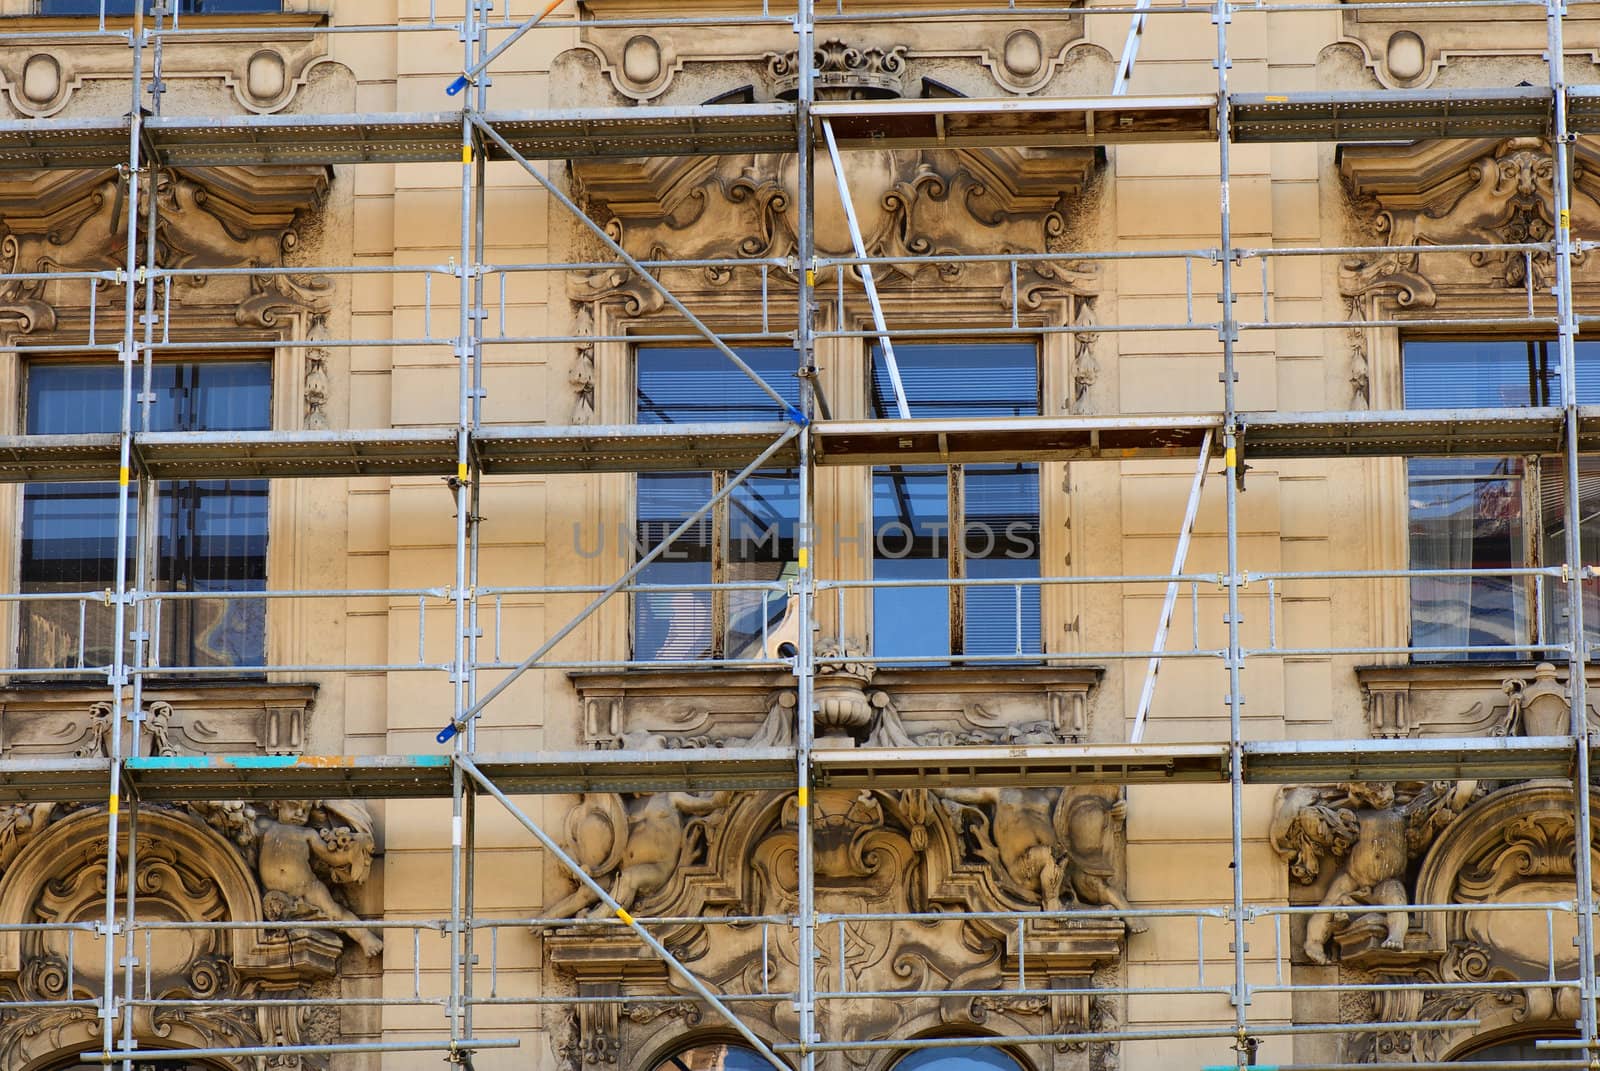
<point>960,1058</point>
<point>714,1056</point>
<point>1521,1049</point>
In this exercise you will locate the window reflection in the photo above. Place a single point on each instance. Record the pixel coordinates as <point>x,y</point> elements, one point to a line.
<point>959,1058</point>
<point>717,1057</point>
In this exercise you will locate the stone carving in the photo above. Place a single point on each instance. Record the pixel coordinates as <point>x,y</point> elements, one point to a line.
<point>287,850</point>
<point>1377,829</point>
<point>1468,193</point>
<point>225,217</point>
<point>843,72</point>
<point>1420,701</point>
<point>637,843</point>
<point>263,719</point>
<point>196,863</point>
<point>1042,843</point>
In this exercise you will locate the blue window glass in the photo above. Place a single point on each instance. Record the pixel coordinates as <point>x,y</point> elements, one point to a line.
<point>992,521</point>
<point>182,7</point>
<point>210,535</point>
<point>1491,513</point>
<point>962,1058</point>
<point>749,538</point>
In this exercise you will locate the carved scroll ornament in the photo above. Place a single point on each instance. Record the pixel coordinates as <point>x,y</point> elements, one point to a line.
<point>224,217</point>
<point>196,863</point>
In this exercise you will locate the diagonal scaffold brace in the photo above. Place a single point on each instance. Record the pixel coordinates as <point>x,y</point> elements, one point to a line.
<point>790,412</point>
<point>704,991</point>
<point>622,581</point>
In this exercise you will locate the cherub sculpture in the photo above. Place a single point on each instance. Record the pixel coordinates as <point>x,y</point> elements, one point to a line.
<point>1377,828</point>
<point>1042,842</point>
<point>298,850</point>
<point>637,843</point>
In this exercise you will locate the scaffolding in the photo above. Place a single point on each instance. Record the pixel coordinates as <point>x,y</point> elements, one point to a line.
<point>800,437</point>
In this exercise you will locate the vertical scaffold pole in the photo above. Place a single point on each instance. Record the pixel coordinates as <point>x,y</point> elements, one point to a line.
<point>1578,646</point>
<point>474,534</point>
<point>119,598</point>
<point>462,493</point>
<point>1229,336</point>
<point>805,344</point>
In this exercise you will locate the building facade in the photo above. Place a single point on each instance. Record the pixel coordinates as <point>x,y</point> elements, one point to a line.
<point>1033,547</point>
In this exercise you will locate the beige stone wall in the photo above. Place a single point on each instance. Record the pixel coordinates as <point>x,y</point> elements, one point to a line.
<point>1106,517</point>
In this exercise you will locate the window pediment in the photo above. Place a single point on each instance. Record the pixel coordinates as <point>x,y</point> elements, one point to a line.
<point>219,217</point>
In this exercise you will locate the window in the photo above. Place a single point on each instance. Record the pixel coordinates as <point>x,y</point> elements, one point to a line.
<point>210,535</point>
<point>182,7</point>
<point>1526,1049</point>
<point>715,1057</point>
<point>749,537</point>
<point>959,1058</point>
<point>974,521</point>
<point>1494,513</point>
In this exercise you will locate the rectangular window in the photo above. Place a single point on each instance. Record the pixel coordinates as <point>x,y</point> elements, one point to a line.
<point>940,522</point>
<point>1494,513</point>
<point>210,535</point>
<point>749,537</point>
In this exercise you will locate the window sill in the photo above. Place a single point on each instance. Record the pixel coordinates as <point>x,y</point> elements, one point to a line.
<point>221,718</point>
<point>1433,699</point>
<point>948,705</point>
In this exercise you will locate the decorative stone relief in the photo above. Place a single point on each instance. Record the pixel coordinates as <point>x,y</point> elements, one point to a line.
<point>1422,47</point>
<point>1467,192</point>
<point>196,863</point>
<point>223,217</point>
<point>1454,192</point>
<point>695,855</point>
<point>41,76</point>
<point>250,719</point>
<point>1009,53</point>
<point>1463,699</point>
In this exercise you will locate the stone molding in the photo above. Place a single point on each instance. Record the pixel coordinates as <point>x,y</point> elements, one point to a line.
<point>231,719</point>
<point>1416,48</point>
<point>697,855</point>
<point>1452,699</point>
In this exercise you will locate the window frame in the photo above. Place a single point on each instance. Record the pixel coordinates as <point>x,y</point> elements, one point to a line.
<point>277,526</point>
<point>955,474</point>
<point>1539,602</point>
<point>719,518</point>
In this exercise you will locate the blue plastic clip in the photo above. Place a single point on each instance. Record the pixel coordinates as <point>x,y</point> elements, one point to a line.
<point>447,733</point>
<point>795,415</point>
<point>457,86</point>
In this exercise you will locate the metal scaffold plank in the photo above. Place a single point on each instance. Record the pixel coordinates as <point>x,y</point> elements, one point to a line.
<point>973,439</point>
<point>1385,115</point>
<point>1491,757</point>
<point>952,122</point>
<point>961,122</point>
<point>58,780</point>
<point>197,141</point>
<point>1583,109</point>
<point>1407,432</point>
<point>629,448</point>
<point>189,777</point>
<point>1038,765</point>
<point>393,452</point>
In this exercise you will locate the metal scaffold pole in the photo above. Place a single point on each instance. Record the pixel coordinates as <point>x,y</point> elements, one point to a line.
<point>804,663</point>
<point>1244,1044</point>
<point>1575,572</point>
<point>121,597</point>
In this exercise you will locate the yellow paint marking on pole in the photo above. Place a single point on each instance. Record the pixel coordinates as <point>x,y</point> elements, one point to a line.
<point>466,153</point>
<point>625,917</point>
<point>805,556</point>
<point>461,471</point>
<point>122,476</point>
<point>804,796</point>
<point>1230,457</point>
<point>114,805</point>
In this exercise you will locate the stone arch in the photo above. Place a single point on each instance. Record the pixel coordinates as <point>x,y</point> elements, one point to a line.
<point>197,874</point>
<point>1514,845</point>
